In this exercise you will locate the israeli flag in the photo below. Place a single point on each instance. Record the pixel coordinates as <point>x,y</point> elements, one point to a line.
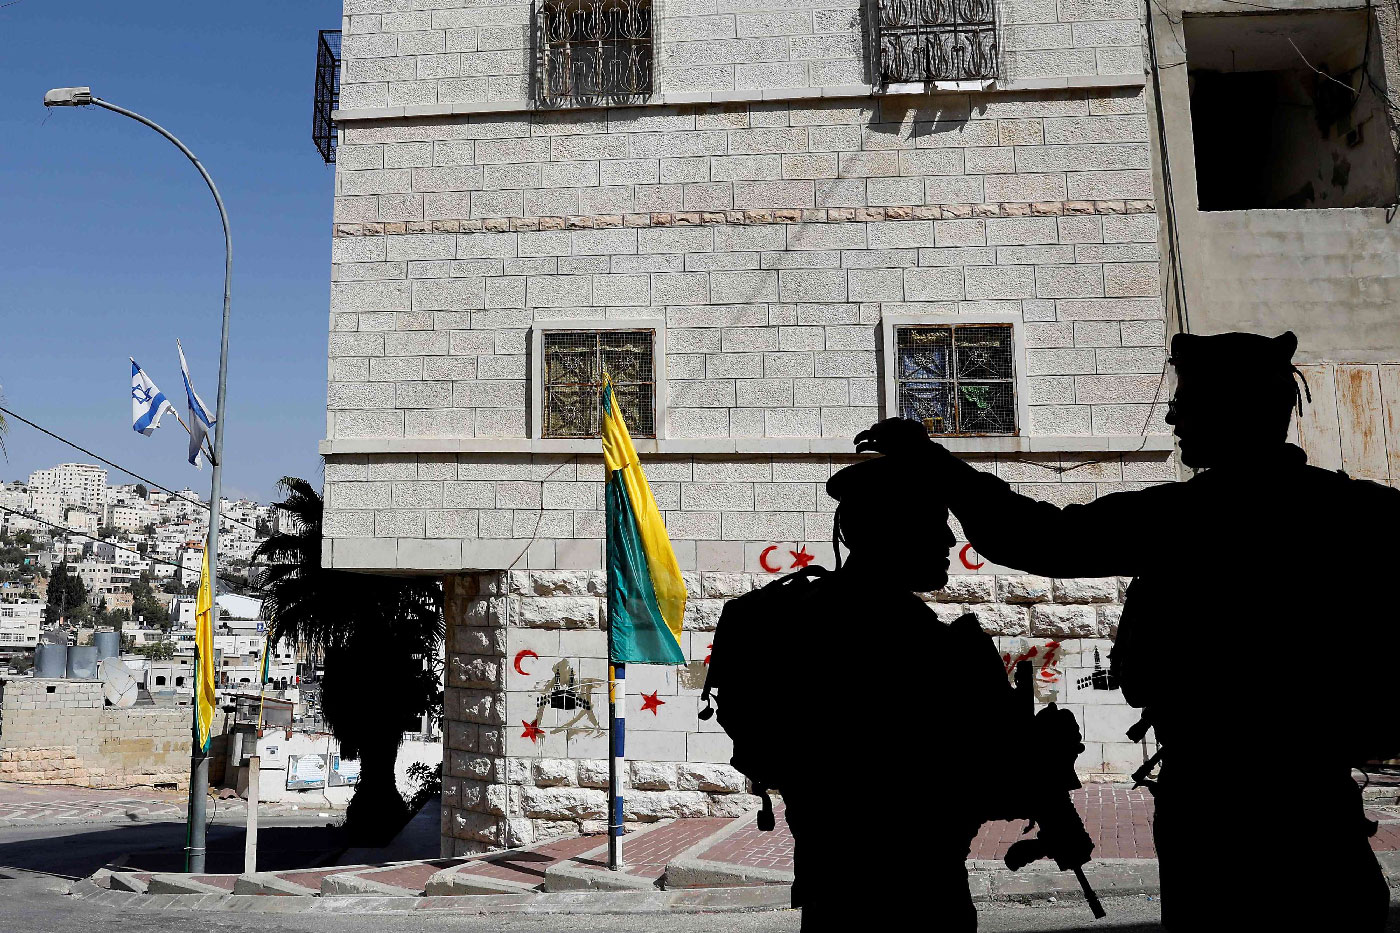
<point>201,420</point>
<point>147,402</point>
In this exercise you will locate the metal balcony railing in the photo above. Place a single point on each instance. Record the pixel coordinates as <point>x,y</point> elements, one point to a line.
<point>937,40</point>
<point>327,96</point>
<point>595,51</point>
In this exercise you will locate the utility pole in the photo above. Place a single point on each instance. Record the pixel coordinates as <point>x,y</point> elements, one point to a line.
<point>199,760</point>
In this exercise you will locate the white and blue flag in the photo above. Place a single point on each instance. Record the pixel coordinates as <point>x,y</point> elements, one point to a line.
<point>148,403</point>
<point>201,419</point>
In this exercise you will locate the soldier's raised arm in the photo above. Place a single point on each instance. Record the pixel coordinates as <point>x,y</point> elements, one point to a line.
<point>1114,535</point>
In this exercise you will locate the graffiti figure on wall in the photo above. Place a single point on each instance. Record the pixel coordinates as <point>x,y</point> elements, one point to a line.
<point>570,695</point>
<point>1100,679</point>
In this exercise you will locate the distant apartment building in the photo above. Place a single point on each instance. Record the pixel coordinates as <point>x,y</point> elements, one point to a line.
<point>82,520</point>
<point>47,505</point>
<point>190,557</point>
<point>21,623</point>
<point>128,518</point>
<point>80,484</point>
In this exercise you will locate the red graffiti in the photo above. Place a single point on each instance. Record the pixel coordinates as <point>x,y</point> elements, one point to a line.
<point>652,702</point>
<point>763,559</point>
<point>1048,672</point>
<point>962,556</point>
<point>532,731</point>
<point>527,653</point>
<point>707,652</point>
<point>800,557</point>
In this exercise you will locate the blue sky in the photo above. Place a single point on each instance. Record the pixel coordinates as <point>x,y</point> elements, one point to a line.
<point>110,245</point>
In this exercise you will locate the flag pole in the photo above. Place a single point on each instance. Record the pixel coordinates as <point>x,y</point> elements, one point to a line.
<point>617,764</point>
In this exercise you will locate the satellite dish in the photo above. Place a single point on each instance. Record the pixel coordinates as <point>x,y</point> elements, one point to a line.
<point>119,687</point>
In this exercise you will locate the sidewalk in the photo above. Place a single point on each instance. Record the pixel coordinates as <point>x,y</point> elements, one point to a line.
<point>61,804</point>
<point>722,863</point>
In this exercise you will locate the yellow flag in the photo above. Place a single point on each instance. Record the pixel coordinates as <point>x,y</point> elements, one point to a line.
<point>204,643</point>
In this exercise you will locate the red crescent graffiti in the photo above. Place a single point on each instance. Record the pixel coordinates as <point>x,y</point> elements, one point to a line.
<point>527,653</point>
<point>962,556</point>
<point>763,559</point>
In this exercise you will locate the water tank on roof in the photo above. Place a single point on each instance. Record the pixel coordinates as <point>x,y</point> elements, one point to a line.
<point>82,663</point>
<point>50,660</point>
<point>108,644</point>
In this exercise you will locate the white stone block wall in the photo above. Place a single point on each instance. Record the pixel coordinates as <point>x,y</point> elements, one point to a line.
<point>508,633</point>
<point>425,53</point>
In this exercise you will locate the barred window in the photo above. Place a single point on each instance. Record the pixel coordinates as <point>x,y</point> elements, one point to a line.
<point>595,51</point>
<point>937,40</point>
<point>574,364</point>
<point>957,378</point>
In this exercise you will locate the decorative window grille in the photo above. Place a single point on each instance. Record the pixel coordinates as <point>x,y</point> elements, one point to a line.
<point>574,364</point>
<point>937,40</point>
<point>327,96</point>
<point>957,379</point>
<point>595,50</point>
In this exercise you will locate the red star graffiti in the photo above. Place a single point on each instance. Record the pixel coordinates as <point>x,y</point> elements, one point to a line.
<point>800,557</point>
<point>652,702</point>
<point>532,731</point>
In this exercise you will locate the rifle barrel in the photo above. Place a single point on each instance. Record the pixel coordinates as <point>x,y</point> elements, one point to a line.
<point>1094,906</point>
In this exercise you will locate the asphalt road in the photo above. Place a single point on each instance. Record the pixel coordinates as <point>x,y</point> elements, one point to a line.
<point>78,850</point>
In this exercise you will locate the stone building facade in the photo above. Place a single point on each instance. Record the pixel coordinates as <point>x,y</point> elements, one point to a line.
<point>774,218</point>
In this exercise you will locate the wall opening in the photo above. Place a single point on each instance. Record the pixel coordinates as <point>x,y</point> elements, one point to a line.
<point>1288,111</point>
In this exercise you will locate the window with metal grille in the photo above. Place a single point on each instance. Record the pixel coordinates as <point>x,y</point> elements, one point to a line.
<point>957,378</point>
<point>574,364</point>
<point>937,40</point>
<point>595,50</point>
<point>327,94</point>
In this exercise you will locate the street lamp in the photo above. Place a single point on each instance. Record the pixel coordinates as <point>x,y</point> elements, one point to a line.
<point>199,761</point>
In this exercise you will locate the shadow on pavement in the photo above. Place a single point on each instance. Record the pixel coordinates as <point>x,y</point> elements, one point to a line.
<point>160,847</point>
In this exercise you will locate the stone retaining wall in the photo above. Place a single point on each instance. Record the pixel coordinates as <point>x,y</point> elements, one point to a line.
<point>61,732</point>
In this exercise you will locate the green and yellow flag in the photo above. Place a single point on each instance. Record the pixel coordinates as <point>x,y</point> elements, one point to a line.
<point>646,598</point>
<point>204,644</point>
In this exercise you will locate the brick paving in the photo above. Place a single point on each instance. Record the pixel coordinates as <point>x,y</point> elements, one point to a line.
<point>413,877</point>
<point>528,867</point>
<point>754,849</point>
<point>648,855</point>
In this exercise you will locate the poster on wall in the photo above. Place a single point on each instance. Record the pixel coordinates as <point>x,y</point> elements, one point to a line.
<point>305,772</point>
<point>343,773</point>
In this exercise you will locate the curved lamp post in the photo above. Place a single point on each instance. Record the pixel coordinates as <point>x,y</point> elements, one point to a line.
<point>199,761</point>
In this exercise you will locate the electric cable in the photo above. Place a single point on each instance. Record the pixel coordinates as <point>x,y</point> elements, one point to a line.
<point>119,547</point>
<point>121,468</point>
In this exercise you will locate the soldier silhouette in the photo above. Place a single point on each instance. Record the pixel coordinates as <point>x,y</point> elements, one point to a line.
<point>1264,563</point>
<point>868,608</point>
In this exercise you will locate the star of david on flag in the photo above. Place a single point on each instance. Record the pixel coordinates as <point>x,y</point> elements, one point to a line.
<point>201,419</point>
<point>148,403</point>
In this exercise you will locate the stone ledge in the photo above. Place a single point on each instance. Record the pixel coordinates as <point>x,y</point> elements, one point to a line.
<point>749,218</point>
<point>756,95</point>
<point>739,446</point>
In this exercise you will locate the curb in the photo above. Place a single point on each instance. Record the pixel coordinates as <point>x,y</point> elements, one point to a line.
<point>689,870</point>
<point>267,883</point>
<point>351,884</point>
<point>453,882</point>
<point>710,900</point>
<point>564,877</point>
<point>180,884</point>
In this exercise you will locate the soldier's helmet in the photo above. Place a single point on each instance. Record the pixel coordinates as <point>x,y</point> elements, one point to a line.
<point>1234,391</point>
<point>890,509</point>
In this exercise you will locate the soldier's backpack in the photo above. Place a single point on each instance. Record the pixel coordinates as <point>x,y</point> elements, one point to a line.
<point>753,629</point>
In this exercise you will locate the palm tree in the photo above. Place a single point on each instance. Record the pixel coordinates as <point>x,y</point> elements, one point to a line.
<point>379,637</point>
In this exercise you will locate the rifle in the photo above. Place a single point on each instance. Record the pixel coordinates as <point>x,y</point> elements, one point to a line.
<point>1062,836</point>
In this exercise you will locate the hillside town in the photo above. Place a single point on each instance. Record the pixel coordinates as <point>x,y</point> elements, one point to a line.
<point>80,556</point>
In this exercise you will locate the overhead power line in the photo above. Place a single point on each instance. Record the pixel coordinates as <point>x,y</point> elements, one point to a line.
<point>120,547</point>
<point>119,467</point>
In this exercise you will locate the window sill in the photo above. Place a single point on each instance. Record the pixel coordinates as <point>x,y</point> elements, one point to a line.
<point>1050,443</point>
<point>672,99</point>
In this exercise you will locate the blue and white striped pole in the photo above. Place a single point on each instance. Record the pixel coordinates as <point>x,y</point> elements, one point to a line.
<point>617,764</point>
